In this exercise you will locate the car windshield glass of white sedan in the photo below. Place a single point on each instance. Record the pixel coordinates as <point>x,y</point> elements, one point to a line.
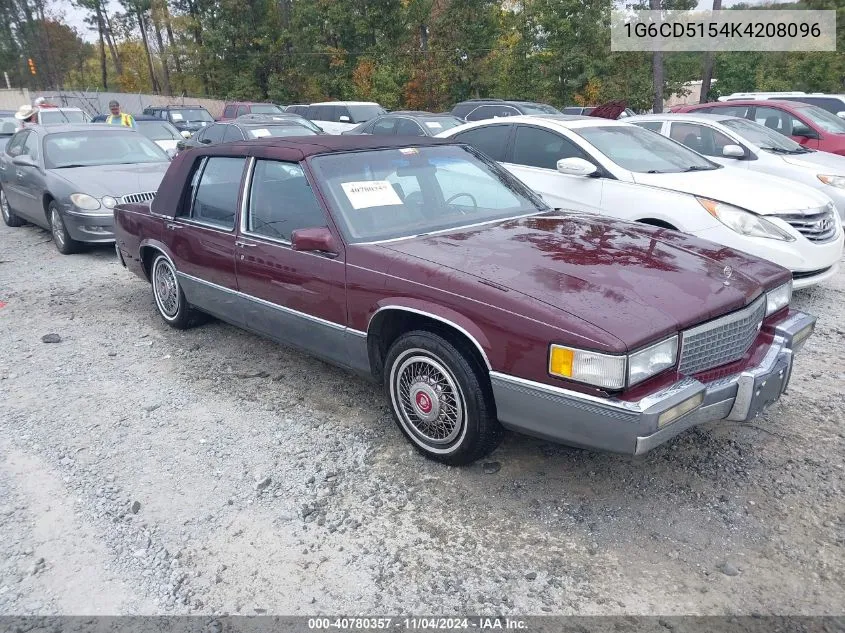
<point>395,193</point>
<point>84,149</point>
<point>158,130</point>
<point>762,136</point>
<point>262,131</point>
<point>824,119</point>
<point>643,151</point>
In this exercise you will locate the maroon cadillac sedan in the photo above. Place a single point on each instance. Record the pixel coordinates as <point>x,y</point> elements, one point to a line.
<point>423,265</point>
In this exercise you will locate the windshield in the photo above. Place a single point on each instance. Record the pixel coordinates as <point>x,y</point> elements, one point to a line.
<point>84,149</point>
<point>280,130</point>
<point>191,114</point>
<point>266,108</point>
<point>158,130</point>
<point>643,151</point>
<point>539,108</point>
<point>762,136</point>
<point>361,113</point>
<point>823,119</point>
<point>53,117</point>
<point>439,123</point>
<point>394,193</point>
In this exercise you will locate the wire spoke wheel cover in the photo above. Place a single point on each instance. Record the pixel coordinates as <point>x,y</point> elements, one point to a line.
<point>428,400</point>
<point>58,227</point>
<point>166,288</point>
<point>4,206</point>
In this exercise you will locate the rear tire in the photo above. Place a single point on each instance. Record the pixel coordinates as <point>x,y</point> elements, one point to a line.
<point>168,295</point>
<point>441,399</point>
<point>9,216</point>
<point>64,242</point>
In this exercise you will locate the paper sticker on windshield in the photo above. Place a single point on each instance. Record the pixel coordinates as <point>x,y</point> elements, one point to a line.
<point>260,133</point>
<point>409,151</point>
<point>434,125</point>
<point>176,116</point>
<point>370,193</point>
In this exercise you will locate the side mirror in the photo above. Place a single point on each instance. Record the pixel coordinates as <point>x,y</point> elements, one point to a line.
<point>841,115</point>
<point>576,167</point>
<point>205,141</point>
<point>186,134</point>
<point>23,161</point>
<point>180,146</point>
<point>733,151</point>
<point>319,240</point>
<point>803,130</point>
<point>344,119</point>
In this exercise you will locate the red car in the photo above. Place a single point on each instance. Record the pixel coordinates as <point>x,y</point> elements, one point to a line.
<point>234,110</point>
<point>424,265</point>
<point>804,123</point>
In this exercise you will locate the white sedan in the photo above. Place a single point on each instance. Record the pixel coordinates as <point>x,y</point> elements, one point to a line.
<point>745,144</point>
<point>621,170</point>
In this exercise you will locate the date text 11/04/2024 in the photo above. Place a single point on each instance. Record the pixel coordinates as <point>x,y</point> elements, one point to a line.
<point>415,624</point>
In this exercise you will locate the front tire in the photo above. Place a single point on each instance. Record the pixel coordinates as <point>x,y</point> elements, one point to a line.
<point>441,399</point>
<point>9,216</point>
<point>64,242</point>
<point>168,295</point>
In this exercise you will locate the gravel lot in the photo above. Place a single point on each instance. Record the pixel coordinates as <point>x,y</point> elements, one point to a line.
<point>145,470</point>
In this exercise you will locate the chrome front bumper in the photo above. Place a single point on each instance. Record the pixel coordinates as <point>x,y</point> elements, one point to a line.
<point>621,426</point>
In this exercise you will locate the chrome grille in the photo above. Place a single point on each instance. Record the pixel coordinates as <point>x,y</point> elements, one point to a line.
<point>817,225</point>
<point>722,340</point>
<point>146,196</point>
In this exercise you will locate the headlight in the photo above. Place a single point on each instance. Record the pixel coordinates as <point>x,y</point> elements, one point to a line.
<point>833,181</point>
<point>84,201</point>
<point>109,202</point>
<point>778,298</point>
<point>652,360</point>
<point>743,222</point>
<point>594,368</point>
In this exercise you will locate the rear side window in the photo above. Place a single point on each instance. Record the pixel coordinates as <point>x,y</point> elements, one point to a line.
<point>384,127</point>
<point>738,111</point>
<point>490,139</point>
<point>214,189</point>
<point>15,146</point>
<point>463,109</point>
<point>407,127</point>
<point>491,112</point>
<point>826,103</point>
<point>242,110</point>
<point>700,138</point>
<point>30,146</point>
<point>232,134</point>
<point>215,133</point>
<point>229,111</point>
<point>321,113</point>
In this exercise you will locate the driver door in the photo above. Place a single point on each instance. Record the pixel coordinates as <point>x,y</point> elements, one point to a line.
<point>9,171</point>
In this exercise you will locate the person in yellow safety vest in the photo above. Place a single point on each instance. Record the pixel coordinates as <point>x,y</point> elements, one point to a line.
<point>117,117</point>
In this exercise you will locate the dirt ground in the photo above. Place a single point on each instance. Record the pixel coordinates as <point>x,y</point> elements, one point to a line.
<point>145,470</point>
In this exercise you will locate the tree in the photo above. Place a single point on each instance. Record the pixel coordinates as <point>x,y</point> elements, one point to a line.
<point>707,72</point>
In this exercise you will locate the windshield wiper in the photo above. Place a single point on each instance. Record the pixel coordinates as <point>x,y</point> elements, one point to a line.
<point>70,165</point>
<point>698,168</point>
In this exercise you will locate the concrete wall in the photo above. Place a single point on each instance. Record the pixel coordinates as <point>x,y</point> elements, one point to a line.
<point>13,99</point>
<point>134,103</point>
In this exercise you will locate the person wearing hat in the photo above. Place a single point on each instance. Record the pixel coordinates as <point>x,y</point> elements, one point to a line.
<point>27,114</point>
<point>117,117</point>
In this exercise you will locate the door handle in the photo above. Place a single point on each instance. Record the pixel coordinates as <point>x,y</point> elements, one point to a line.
<point>173,226</point>
<point>245,244</point>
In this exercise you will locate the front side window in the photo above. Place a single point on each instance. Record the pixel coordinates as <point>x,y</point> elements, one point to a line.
<point>407,127</point>
<point>700,138</point>
<point>100,147</point>
<point>384,127</point>
<point>393,193</point>
<point>232,134</point>
<point>763,137</point>
<point>541,148</point>
<point>15,146</point>
<point>654,126</point>
<point>490,139</point>
<point>215,188</point>
<point>641,151</point>
<point>214,134</point>
<point>774,119</point>
<point>281,201</point>
<point>823,119</point>
<point>30,146</point>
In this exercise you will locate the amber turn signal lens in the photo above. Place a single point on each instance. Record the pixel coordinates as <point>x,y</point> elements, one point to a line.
<point>561,361</point>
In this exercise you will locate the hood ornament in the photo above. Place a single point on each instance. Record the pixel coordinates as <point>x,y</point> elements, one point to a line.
<point>727,273</point>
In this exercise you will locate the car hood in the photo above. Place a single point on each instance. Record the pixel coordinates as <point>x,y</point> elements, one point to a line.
<point>636,283</point>
<point>166,144</point>
<point>113,180</point>
<point>760,193</point>
<point>820,162</point>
